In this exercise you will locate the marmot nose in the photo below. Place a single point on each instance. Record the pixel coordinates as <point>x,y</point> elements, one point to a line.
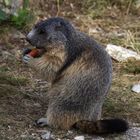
<point>29,36</point>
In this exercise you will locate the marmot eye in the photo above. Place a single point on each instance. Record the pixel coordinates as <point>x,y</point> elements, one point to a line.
<point>41,31</point>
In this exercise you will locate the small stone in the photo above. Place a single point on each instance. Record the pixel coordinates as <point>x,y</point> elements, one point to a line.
<point>97,138</point>
<point>121,54</point>
<point>33,134</point>
<point>37,105</point>
<point>79,138</point>
<point>133,133</point>
<point>47,136</point>
<point>70,132</point>
<point>95,30</point>
<point>136,88</point>
<point>23,136</point>
<point>42,131</point>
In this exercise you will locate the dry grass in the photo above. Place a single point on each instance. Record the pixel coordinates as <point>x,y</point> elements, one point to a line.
<point>132,41</point>
<point>122,102</point>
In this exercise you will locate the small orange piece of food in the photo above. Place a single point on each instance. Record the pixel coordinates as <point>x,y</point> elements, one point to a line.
<point>34,52</point>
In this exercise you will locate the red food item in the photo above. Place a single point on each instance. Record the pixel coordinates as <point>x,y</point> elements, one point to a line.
<point>34,52</point>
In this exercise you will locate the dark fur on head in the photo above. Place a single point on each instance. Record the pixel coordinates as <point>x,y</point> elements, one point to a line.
<point>56,30</point>
<point>51,30</point>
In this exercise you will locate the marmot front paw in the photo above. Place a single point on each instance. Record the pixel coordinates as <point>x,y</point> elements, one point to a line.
<point>31,53</point>
<point>41,122</point>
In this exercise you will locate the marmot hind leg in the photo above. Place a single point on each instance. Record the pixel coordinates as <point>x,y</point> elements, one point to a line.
<point>62,114</point>
<point>62,120</point>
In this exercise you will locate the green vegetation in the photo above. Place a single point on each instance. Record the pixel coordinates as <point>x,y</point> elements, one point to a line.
<point>3,16</point>
<point>20,19</point>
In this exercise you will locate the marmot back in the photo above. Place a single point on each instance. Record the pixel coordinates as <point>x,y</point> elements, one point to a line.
<point>80,72</point>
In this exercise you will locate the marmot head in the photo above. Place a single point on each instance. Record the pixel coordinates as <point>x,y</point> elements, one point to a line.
<point>50,31</point>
